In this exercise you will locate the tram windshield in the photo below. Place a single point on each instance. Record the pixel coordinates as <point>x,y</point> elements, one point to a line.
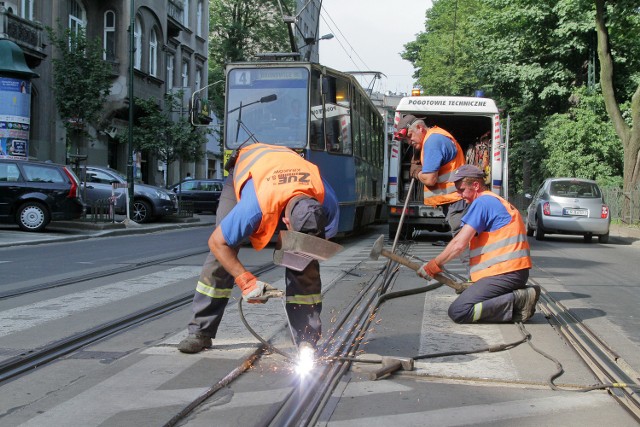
<point>269,103</point>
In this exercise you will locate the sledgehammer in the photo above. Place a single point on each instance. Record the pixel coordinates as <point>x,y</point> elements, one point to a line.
<point>390,365</point>
<point>378,250</point>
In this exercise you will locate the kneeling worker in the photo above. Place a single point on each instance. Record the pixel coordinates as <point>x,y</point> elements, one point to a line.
<point>269,184</point>
<point>494,232</point>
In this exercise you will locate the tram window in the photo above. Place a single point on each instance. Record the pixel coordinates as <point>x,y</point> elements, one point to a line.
<point>355,125</point>
<point>337,111</point>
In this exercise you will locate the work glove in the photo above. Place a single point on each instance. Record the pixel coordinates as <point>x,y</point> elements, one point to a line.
<point>414,170</point>
<point>255,291</point>
<point>428,270</point>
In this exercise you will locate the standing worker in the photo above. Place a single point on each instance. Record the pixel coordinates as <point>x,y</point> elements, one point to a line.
<point>440,155</point>
<point>494,231</point>
<point>257,196</point>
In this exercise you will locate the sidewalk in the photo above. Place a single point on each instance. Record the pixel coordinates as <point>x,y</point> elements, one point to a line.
<point>56,231</point>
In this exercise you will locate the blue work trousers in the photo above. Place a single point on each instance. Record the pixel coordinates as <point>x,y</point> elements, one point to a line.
<point>489,300</point>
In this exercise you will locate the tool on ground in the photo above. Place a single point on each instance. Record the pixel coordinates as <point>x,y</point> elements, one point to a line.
<point>390,365</point>
<point>378,250</point>
<point>296,250</point>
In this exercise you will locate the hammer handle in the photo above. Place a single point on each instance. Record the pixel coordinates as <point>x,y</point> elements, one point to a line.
<point>385,370</point>
<point>414,266</point>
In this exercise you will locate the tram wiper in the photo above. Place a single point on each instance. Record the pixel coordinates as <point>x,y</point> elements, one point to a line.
<point>264,99</point>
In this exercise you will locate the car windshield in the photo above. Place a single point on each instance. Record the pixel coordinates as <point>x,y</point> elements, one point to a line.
<point>580,189</point>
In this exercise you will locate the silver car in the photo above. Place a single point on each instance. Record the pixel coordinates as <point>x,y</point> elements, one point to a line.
<point>568,206</point>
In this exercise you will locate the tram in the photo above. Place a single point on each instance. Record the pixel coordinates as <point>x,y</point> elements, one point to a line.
<point>322,114</point>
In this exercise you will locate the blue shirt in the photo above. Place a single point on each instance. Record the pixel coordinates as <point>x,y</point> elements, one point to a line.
<point>486,213</point>
<point>437,151</point>
<point>246,215</point>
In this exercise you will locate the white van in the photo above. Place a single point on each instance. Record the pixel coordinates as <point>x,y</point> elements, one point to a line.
<point>476,125</point>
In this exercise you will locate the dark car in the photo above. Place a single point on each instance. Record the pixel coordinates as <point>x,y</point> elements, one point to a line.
<point>203,193</point>
<point>149,202</point>
<point>32,194</point>
<point>569,206</point>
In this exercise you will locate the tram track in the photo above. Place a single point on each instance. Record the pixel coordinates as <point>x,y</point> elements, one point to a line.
<point>605,363</point>
<point>100,274</point>
<point>30,360</point>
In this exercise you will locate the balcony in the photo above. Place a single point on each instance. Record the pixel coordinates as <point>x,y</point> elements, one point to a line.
<point>175,18</point>
<point>26,34</point>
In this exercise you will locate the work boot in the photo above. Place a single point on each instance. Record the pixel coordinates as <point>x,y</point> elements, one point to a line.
<point>524,304</point>
<point>194,343</point>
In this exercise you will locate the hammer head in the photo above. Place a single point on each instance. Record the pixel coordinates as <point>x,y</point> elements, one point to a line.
<point>376,250</point>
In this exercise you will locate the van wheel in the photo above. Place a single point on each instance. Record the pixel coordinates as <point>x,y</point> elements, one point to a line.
<point>539,230</point>
<point>603,238</point>
<point>588,237</point>
<point>33,216</point>
<point>529,230</point>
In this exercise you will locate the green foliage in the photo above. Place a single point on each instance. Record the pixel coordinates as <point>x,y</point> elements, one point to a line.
<point>582,142</point>
<point>81,78</point>
<point>169,139</point>
<point>238,29</point>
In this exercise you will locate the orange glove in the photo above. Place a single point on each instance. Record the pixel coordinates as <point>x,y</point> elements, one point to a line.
<point>428,270</point>
<point>255,291</point>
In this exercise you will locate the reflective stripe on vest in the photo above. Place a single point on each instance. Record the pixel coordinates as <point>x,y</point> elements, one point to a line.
<point>212,292</point>
<point>444,192</point>
<point>501,251</point>
<point>304,299</point>
<point>278,174</point>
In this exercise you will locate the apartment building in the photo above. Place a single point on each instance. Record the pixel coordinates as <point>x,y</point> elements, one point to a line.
<point>170,40</point>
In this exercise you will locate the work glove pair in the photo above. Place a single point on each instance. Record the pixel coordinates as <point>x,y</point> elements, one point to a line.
<point>429,270</point>
<point>255,291</point>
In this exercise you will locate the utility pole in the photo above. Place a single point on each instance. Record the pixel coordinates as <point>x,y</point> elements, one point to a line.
<point>130,176</point>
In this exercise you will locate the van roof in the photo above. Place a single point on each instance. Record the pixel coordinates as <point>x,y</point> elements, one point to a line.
<point>447,104</point>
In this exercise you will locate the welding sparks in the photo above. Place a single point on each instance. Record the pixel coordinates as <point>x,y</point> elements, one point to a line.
<point>306,360</point>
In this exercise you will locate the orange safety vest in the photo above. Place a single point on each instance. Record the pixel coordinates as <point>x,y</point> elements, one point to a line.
<point>444,192</point>
<point>500,251</point>
<point>278,174</point>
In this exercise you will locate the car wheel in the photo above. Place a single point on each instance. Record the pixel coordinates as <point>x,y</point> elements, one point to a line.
<point>33,216</point>
<point>588,237</point>
<point>141,212</point>
<point>603,238</point>
<point>529,230</point>
<point>539,230</point>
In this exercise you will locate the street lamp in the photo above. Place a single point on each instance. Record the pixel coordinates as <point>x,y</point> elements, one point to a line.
<point>130,177</point>
<point>311,41</point>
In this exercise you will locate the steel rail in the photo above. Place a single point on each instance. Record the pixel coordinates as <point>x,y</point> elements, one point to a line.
<point>30,360</point>
<point>97,275</point>
<point>606,365</point>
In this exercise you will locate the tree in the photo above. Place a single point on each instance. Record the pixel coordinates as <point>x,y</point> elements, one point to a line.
<point>627,12</point>
<point>156,132</point>
<point>582,142</point>
<point>238,30</point>
<point>81,79</point>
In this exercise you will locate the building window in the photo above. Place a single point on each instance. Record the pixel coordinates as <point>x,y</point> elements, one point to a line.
<point>109,36</point>
<point>137,36</point>
<point>198,82</point>
<point>27,9</point>
<point>153,53</point>
<point>185,13</point>
<point>76,16</point>
<point>199,19</point>
<point>185,73</point>
<point>171,63</point>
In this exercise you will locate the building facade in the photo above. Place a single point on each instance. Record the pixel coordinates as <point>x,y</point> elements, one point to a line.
<point>170,41</point>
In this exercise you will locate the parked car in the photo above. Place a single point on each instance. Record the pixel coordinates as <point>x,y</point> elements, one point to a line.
<point>204,193</point>
<point>32,194</point>
<point>149,202</point>
<point>569,206</point>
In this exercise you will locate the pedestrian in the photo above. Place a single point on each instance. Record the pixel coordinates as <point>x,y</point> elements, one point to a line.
<point>188,177</point>
<point>494,231</point>
<point>259,197</point>
<point>439,155</point>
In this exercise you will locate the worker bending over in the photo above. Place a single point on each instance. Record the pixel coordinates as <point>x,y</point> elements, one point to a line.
<point>494,232</point>
<point>271,187</point>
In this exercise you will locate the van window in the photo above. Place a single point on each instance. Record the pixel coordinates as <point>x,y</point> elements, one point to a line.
<point>37,173</point>
<point>9,172</point>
